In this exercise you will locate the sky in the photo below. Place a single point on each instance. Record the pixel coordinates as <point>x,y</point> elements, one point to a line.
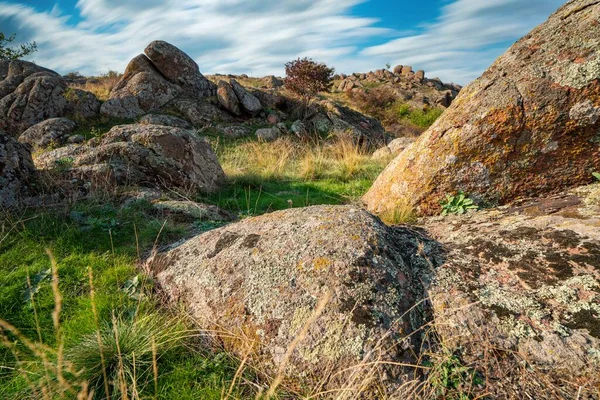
<point>455,40</point>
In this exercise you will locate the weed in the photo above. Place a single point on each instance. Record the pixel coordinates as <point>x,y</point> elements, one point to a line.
<point>596,175</point>
<point>457,204</point>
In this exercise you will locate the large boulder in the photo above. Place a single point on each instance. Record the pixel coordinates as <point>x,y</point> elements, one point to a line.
<point>153,79</point>
<point>343,120</point>
<point>51,132</point>
<point>30,94</point>
<point>529,125</point>
<point>248,101</point>
<point>139,154</point>
<point>179,69</point>
<point>256,283</point>
<point>519,294</point>
<point>141,89</point>
<point>16,171</point>
<point>228,99</point>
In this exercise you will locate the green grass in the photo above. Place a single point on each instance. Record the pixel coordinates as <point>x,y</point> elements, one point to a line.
<point>265,177</point>
<point>422,118</point>
<point>100,237</point>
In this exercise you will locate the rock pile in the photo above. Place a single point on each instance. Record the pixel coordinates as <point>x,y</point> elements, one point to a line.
<point>141,154</point>
<point>153,79</point>
<point>30,94</point>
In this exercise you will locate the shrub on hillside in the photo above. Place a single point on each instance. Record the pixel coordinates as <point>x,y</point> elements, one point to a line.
<point>374,102</point>
<point>306,77</point>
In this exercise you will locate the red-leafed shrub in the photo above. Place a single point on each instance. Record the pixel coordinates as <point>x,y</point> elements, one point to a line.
<point>306,77</point>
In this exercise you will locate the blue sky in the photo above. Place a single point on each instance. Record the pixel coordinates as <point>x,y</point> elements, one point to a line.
<point>455,40</point>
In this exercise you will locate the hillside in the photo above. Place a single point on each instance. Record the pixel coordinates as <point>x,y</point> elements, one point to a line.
<point>166,234</point>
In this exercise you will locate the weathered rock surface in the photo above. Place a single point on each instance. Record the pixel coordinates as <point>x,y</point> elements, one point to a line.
<point>365,129</point>
<point>141,89</point>
<point>166,120</point>
<point>179,69</point>
<point>524,280</point>
<point>259,280</point>
<point>17,171</point>
<point>153,79</point>
<point>51,132</point>
<point>267,134</point>
<point>228,99</point>
<point>393,148</point>
<point>529,125</point>
<point>199,112</point>
<point>30,94</point>
<point>151,155</point>
<point>187,211</point>
<point>248,101</point>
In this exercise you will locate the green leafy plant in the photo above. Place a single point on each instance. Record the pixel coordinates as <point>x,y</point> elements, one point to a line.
<point>388,65</point>
<point>596,175</point>
<point>14,53</point>
<point>457,204</point>
<point>451,379</point>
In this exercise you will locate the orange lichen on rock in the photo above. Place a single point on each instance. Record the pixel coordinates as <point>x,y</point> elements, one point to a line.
<point>528,126</point>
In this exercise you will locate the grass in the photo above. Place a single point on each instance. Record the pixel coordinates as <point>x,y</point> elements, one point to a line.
<point>144,349</point>
<point>101,85</point>
<point>287,173</point>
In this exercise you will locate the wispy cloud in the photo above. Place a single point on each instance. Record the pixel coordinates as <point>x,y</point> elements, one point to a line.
<point>258,37</point>
<point>467,37</point>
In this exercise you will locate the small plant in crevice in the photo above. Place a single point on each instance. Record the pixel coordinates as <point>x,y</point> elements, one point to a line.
<point>457,204</point>
<point>596,175</point>
<point>451,379</point>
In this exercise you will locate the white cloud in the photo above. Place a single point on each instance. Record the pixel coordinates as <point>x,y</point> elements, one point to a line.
<point>258,37</point>
<point>467,37</point>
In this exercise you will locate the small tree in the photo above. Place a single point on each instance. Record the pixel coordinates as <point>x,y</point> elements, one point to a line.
<point>306,78</point>
<point>14,53</point>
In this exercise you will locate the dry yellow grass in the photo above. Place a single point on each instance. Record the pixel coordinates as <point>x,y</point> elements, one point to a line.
<point>101,86</point>
<point>286,159</point>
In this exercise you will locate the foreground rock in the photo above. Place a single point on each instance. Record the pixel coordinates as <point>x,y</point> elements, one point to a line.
<point>153,79</point>
<point>529,125</point>
<point>138,154</point>
<point>51,132</point>
<point>16,171</point>
<point>520,294</point>
<point>259,281</point>
<point>30,94</point>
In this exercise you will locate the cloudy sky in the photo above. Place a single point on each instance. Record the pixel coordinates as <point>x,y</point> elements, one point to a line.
<point>452,39</point>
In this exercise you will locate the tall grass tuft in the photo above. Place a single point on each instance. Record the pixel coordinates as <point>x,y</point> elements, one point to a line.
<point>128,353</point>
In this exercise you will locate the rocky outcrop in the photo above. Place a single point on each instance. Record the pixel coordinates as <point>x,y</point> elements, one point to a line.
<point>51,132</point>
<point>524,280</point>
<point>259,281</point>
<point>178,68</point>
<point>228,99</point>
<point>248,101</point>
<point>528,126</point>
<point>17,171</point>
<point>30,94</point>
<point>166,120</point>
<point>331,116</point>
<point>153,79</point>
<point>148,155</point>
<point>141,89</point>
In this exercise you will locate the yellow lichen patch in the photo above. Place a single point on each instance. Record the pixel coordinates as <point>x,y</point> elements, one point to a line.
<point>321,263</point>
